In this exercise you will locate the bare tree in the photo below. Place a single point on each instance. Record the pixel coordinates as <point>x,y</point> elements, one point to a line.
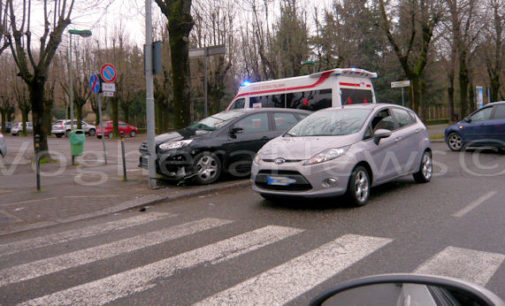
<point>493,47</point>
<point>34,67</point>
<point>4,26</point>
<point>419,17</point>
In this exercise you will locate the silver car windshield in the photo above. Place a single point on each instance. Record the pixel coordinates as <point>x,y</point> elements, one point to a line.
<point>331,122</point>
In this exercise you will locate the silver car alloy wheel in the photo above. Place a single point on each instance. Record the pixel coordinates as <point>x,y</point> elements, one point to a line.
<point>206,167</point>
<point>427,166</point>
<point>361,186</point>
<point>455,141</point>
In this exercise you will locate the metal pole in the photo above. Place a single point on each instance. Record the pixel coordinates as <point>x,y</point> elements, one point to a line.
<point>102,128</point>
<point>150,98</point>
<point>124,159</point>
<point>71,85</point>
<point>205,106</point>
<point>403,101</point>
<point>37,159</point>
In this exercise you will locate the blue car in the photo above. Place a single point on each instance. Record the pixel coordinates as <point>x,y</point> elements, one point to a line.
<point>484,127</point>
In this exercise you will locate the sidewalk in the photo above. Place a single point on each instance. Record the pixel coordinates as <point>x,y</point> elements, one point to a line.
<point>71,193</point>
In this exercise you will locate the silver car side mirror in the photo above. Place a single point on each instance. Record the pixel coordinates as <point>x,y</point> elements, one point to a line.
<point>381,133</point>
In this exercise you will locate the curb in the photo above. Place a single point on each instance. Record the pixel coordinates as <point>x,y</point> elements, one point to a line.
<point>143,201</point>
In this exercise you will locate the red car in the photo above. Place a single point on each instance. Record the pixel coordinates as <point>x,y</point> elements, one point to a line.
<point>128,130</point>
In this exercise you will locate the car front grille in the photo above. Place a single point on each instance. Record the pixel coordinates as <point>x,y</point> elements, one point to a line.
<point>300,184</point>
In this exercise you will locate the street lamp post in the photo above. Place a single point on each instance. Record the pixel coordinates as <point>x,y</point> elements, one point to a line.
<point>82,33</point>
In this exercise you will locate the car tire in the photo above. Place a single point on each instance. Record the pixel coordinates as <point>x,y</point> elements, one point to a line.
<point>358,189</point>
<point>92,132</point>
<point>132,134</point>
<point>425,172</point>
<point>58,135</point>
<point>207,168</point>
<point>455,142</point>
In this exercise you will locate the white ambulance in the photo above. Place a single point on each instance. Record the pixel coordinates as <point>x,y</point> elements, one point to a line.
<point>336,87</point>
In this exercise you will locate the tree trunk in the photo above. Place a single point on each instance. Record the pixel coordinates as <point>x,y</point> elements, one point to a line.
<point>78,115</point>
<point>463,87</point>
<point>4,121</point>
<point>495,87</point>
<point>179,27</point>
<point>37,93</point>
<point>24,117</point>
<point>450,94</point>
<point>115,116</point>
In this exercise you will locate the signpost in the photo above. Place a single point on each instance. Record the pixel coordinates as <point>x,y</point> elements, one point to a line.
<point>401,84</point>
<point>94,85</point>
<point>206,52</point>
<point>479,90</point>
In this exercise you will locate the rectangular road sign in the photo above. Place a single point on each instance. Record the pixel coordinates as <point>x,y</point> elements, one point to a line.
<point>109,87</point>
<point>398,84</point>
<point>108,94</point>
<point>213,50</point>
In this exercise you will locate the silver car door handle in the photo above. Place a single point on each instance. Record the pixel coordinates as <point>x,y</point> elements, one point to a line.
<point>418,130</point>
<point>398,139</point>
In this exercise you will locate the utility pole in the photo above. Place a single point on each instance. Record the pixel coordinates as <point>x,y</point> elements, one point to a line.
<point>150,97</point>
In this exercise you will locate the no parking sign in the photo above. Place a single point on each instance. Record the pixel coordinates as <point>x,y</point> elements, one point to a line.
<point>108,73</point>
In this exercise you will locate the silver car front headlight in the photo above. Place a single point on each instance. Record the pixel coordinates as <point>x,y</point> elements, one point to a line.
<point>175,145</point>
<point>257,159</point>
<point>326,155</point>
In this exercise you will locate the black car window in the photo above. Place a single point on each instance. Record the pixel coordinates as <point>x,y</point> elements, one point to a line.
<point>403,117</point>
<point>254,123</point>
<point>499,112</point>
<point>284,121</point>
<point>383,120</point>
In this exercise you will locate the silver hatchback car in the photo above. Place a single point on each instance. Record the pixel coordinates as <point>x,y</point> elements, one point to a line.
<point>339,151</point>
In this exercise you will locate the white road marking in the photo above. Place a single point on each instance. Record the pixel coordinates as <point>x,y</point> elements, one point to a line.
<point>474,204</point>
<point>474,266</point>
<point>78,258</point>
<point>291,279</point>
<point>93,230</point>
<point>120,285</point>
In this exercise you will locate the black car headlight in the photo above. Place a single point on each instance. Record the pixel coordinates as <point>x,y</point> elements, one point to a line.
<point>174,145</point>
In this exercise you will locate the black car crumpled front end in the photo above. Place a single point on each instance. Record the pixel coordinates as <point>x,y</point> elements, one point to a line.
<point>172,164</point>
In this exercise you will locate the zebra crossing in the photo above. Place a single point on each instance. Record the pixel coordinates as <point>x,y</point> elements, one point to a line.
<point>275,286</point>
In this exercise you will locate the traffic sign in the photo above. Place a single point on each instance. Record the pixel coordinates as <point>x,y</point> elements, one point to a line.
<point>108,94</point>
<point>109,87</point>
<point>94,83</point>
<point>108,73</point>
<point>400,84</point>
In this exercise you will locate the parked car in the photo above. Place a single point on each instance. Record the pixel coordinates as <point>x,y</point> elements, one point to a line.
<point>3,146</point>
<point>224,142</point>
<point>127,129</point>
<point>347,150</point>
<point>8,126</point>
<point>17,128</point>
<point>62,127</point>
<point>484,127</point>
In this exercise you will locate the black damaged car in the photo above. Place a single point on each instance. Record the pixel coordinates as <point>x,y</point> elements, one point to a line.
<point>224,142</point>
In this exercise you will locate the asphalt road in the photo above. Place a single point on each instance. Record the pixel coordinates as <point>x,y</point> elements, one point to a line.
<point>235,248</point>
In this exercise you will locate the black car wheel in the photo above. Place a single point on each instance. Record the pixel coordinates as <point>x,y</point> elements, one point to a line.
<point>358,190</point>
<point>425,169</point>
<point>207,168</point>
<point>455,141</point>
<point>92,132</point>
